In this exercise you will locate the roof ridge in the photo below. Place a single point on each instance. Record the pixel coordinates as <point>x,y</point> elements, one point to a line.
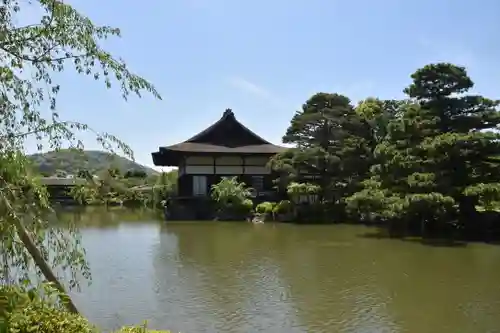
<point>228,115</point>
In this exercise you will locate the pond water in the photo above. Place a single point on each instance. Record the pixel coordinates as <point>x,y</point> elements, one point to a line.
<point>238,277</point>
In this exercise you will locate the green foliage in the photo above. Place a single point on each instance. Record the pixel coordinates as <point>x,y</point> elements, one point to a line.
<point>332,144</point>
<point>113,188</point>
<point>247,206</point>
<point>283,207</point>
<point>429,160</point>
<point>135,174</point>
<point>437,160</point>
<point>36,310</point>
<point>84,194</point>
<point>62,39</point>
<point>139,329</point>
<point>23,196</point>
<point>40,318</point>
<point>164,186</point>
<point>230,191</point>
<point>295,190</point>
<point>231,198</point>
<point>265,207</point>
<point>378,114</point>
<point>487,195</point>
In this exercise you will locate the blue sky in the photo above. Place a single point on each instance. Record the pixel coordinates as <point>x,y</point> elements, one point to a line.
<point>263,59</point>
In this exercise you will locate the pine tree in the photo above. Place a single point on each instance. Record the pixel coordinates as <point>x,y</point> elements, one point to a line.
<point>330,143</point>
<point>437,161</point>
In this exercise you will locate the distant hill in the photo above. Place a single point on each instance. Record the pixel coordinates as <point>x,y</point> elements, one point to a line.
<point>94,161</point>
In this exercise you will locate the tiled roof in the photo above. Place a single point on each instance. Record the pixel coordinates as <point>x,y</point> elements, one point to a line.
<point>212,148</point>
<point>225,136</point>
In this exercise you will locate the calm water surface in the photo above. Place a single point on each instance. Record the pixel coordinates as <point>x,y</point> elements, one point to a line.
<point>238,277</point>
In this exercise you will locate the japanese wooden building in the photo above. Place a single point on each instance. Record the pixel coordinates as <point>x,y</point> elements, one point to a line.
<point>225,149</point>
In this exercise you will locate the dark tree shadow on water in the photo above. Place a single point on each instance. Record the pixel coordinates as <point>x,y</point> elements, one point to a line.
<point>428,241</point>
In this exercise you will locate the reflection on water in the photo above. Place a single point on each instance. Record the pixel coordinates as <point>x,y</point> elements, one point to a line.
<point>238,277</point>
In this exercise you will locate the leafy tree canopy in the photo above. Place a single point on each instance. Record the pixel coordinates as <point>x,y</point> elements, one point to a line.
<point>329,141</point>
<point>430,159</point>
<point>30,57</point>
<point>437,162</point>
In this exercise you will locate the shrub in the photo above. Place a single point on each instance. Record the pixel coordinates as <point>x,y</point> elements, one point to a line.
<point>139,329</point>
<point>237,210</point>
<point>25,310</point>
<point>45,318</point>
<point>231,198</point>
<point>247,205</point>
<point>265,207</point>
<point>229,191</point>
<point>296,190</point>
<point>283,207</point>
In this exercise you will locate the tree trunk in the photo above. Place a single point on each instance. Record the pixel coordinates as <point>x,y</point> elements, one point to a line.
<point>44,267</point>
